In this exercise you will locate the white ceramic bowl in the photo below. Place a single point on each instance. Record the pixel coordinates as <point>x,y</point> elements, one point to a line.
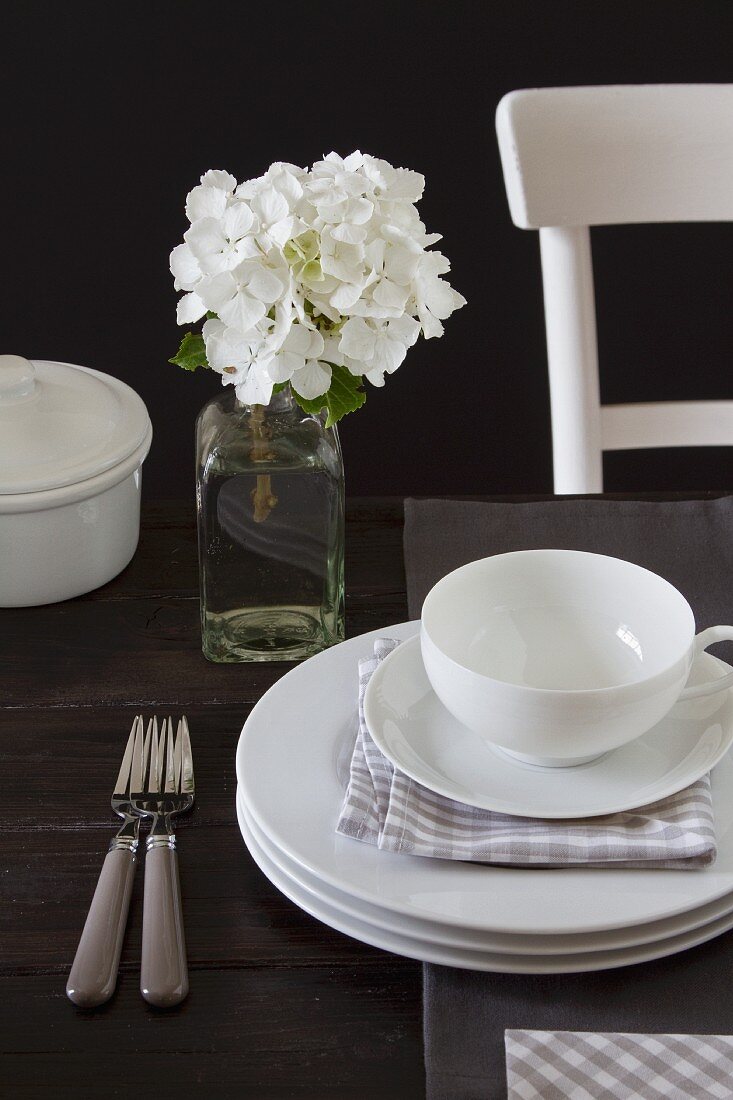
<point>557,656</point>
<point>72,444</point>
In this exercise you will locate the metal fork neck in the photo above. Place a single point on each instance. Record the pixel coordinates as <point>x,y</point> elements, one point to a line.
<point>126,838</point>
<point>123,844</point>
<point>161,840</point>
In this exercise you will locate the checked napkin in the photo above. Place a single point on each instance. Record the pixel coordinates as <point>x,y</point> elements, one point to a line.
<point>576,1065</point>
<point>386,808</point>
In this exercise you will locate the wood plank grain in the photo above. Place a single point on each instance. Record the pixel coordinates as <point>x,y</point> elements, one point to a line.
<point>232,913</point>
<point>141,651</point>
<point>166,561</point>
<point>59,765</point>
<point>262,1033</point>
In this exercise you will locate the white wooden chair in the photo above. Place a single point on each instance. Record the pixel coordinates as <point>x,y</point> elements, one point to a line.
<point>577,157</point>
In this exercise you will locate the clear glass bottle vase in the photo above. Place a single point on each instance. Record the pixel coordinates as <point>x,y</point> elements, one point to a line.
<point>270,500</point>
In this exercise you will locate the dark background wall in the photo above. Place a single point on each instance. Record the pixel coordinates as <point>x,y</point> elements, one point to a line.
<point>111,112</point>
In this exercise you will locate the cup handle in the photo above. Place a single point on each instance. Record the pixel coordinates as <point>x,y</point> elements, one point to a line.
<point>702,641</point>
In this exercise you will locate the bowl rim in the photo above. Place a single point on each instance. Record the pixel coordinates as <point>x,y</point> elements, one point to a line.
<point>560,693</point>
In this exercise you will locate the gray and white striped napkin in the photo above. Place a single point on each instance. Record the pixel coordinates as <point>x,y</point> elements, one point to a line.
<point>386,808</point>
<point>578,1065</point>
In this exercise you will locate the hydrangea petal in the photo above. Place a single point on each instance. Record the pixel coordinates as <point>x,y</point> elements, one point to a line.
<point>205,202</point>
<point>349,234</point>
<point>358,339</point>
<point>400,264</point>
<point>441,299</point>
<point>237,221</point>
<point>190,308</point>
<point>287,183</point>
<point>281,231</point>
<point>431,326</point>
<point>345,296</point>
<point>405,329</point>
<point>216,290</point>
<point>225,181</point>
<point>360,211</point>
<point>256,389</point>
<point>207,243</point>
<point>367,307</point>
<point>270,206</point>
<point>406,186</point>
<point>283,366</point>
<point>243,311</point>
<point>388,354</point>
<point>387,293</point>
<point>264,284</point>
<point>184,267</point>
<point>353,162</point>
<point>298,341</point>
<point>313,379</point>
<point>332,353</point>
<point>376,377</point>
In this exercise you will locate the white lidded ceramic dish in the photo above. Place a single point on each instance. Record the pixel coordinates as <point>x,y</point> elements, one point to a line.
<point>557,656</point>
<point>72,444</point>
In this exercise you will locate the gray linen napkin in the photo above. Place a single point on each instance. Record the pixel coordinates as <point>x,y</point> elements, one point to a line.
<point>689,542</point>
<point>465,1013</point>
<point>554,1065</point>
<point>383,806</point>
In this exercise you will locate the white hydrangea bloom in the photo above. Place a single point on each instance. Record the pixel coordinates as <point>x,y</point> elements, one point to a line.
<point>240,360</point>
<point>307,271</point>
<point>379,346</point>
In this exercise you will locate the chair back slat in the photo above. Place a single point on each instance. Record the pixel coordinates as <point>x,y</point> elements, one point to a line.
<point>618,154</point>
<point>667,424</point>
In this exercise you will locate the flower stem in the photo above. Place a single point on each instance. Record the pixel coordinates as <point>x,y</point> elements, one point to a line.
<point>263,498</point>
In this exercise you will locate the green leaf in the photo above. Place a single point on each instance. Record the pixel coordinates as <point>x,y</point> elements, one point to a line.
<point>192,352</point>
<point>344,396</point>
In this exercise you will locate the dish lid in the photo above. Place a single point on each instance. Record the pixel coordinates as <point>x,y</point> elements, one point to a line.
<point>60,424</point>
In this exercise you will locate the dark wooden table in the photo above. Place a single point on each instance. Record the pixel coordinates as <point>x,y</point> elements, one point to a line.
<point>280,1005</point>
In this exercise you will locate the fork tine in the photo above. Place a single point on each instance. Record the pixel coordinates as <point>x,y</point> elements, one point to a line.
<point>177,760</point>
<point>153,781</point>
<point>124,777</point>
<point>137,770</point>
<point>170,770</point>
<point>187,783</point>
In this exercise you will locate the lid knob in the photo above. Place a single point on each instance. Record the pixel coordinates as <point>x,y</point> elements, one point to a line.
<point>17,379</point>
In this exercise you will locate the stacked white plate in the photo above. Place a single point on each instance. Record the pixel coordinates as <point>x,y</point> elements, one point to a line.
<point>292,764</point>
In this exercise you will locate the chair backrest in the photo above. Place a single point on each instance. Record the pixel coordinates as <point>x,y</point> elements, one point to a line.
<point>577,157</point>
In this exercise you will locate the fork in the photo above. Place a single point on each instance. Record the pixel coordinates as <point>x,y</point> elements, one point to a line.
<point>93,973</point>
<point>167,789</point>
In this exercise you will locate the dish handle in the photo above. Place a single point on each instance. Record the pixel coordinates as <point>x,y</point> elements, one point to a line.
<point>702,641</point>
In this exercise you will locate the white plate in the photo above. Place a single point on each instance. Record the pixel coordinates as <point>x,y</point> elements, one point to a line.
<point>413,729</point>
<point>287,761</point>
<point>448,936</point>
<point>403,944</point>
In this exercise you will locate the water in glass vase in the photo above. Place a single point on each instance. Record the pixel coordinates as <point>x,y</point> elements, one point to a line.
<point>270,494</point>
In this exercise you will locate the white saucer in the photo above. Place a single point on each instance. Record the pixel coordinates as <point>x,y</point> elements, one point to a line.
<point>501,943</point>
<point>290,761</point>
<point>422,739</point>
<point>401,943</point>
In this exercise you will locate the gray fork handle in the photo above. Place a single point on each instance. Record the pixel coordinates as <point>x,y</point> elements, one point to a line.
<point>163,973</point>
<point>94,971</point>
